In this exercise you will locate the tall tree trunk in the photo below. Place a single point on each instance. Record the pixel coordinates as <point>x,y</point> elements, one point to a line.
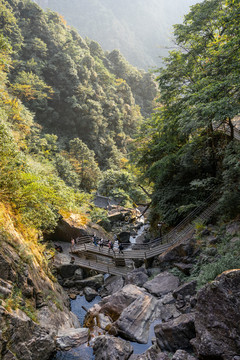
<point>231,128</point>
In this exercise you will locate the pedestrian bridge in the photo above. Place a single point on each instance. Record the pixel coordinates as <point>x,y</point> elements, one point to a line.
<point>115,263</point>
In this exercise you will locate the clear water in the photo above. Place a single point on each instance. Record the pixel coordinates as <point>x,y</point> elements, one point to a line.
<point>139,232</point>
<point>82,352</point>
<point>85,352</point>
<point>76,306</point>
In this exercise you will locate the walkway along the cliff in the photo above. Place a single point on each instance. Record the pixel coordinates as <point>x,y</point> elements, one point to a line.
<point>114,263</point>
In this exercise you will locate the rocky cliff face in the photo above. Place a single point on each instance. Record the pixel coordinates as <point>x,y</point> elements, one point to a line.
<point>33,307</point>
<point>218,317</point>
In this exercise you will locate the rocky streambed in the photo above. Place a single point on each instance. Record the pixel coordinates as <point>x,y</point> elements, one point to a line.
<point>166,317</point>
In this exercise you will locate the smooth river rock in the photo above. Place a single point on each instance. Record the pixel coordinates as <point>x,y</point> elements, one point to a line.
<point>90,293</point>
<point>69,338</point>
<point>218,317</point>
<point>130,310</point>
<point>134,321</point>
<point>162,284</point>
<point>108,347</point>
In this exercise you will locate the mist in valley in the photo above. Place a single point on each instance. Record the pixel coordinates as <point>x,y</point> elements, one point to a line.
<point>140,29</point>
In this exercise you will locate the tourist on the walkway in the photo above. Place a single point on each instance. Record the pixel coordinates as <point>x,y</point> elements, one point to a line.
<point>120,247</point>
<point>95,239</point>
<point>110,246</point>
<point>101,243</point>
<point>72,246</point>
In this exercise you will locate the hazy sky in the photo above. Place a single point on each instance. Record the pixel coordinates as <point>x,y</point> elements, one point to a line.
<point>140,29</point>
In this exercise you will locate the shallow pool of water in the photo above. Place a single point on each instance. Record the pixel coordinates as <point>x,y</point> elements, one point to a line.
<point>82,352</point>
<point>85,352</point>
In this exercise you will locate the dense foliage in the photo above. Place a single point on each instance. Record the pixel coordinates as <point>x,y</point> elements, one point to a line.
<point>72,86</point>
<point>185,150</point>
<point>66,114</point>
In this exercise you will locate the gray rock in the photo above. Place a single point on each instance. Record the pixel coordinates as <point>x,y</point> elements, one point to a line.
<point>5,292</point>
<point>108,347</point>
<point>104,321</point>
<point>131,310</point>
<point>233,229</point>
<point>168,299</point>
<point>90,293</point>
<point>69,338</point>
<point>124,237</point>
<point>184,268</point>
<point>111,285</point>
<point>25,339</point>
<point>188,288</point>
<point>217,318</point>
<point>67,270</point>
<point>78,274</point>
<point>137,277</point>
<point>119,301</point>
<point>176,334</point>
<point>153,353</point>
<point>179,253</point>
<point>212,240</point>
<point>168,312</point>
<point>183,355</point>
<point>134,322</point>
<point>94,282</point>
<point>162,284</point>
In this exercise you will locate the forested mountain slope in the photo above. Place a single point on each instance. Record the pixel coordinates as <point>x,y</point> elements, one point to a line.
<point>64,117</point>
<point>72,86</point>
<point>140,29</point>
<point>188,150</point>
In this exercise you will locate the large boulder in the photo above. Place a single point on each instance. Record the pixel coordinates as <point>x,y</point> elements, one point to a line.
<point>90,293</point>
<point>134,321</point>
<point>162,284</point>
<point>137,277</point>
<point>218,317</point>
<point>131,310</point>
<point>108,347</point>
<point>176,334</point>
<point>69,338</point>
<point>94,282</point>
<point>67,229</point>
<point>124,237</point>
<point>183,252</point>
<point>111,285</point>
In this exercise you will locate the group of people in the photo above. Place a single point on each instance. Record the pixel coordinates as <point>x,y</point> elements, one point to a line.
<point>110,244</point>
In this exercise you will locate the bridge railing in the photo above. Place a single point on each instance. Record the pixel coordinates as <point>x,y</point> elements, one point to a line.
<point>180,230</point>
